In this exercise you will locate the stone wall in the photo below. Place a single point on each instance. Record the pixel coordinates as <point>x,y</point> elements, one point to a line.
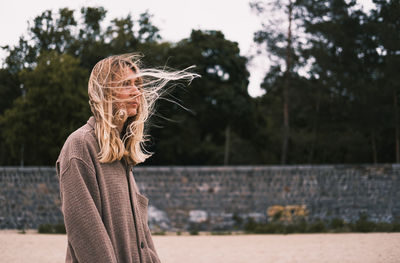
<point>215,198</point>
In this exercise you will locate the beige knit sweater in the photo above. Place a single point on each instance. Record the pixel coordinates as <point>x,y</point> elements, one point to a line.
<point>104,214</point>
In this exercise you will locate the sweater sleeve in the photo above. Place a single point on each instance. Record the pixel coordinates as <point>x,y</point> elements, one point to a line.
<point>85,229</point>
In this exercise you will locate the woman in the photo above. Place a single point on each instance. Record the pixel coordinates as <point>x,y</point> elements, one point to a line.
<point>105,215</point>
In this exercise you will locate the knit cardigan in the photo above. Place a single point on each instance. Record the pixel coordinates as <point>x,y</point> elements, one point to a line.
<point>105,215</point>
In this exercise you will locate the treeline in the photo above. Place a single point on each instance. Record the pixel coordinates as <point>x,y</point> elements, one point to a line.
<point>343,108</point>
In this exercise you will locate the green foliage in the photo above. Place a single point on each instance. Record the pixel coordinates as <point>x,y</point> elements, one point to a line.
<point>336,102</point>
<point>59,229</point>
<point>238,221</point>
<point>54,105</point>
<point>43,88</point>
<point>218,104</point>
<point>250,225</point>
<point>343,92</point>
<point>52,229</point>
<point>194,232</point>
<point>335,225</point>
<point>317,227</point>
<point>194,228</point>
<point>220,233</point>
<point>45,229</point>
<point>159,233</point>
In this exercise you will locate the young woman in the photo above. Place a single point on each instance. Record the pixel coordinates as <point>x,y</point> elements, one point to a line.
<point>105,215</point>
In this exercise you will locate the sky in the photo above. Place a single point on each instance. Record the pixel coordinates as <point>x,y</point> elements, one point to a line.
<point>174,18</point>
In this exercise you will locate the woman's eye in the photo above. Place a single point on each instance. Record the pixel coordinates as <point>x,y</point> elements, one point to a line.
<point>138,82</point>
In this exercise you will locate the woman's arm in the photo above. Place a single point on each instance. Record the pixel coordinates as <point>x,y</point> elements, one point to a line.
<point>85,229</point>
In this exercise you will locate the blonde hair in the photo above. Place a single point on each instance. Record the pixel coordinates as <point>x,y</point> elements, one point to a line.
<point>105,79</point>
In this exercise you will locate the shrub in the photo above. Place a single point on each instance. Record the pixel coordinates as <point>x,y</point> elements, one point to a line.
<point>337,223</point>
<point>396,226</point>
<point>317,227</point>
<point>221,233</point>
<point>250,225</point>
<point>45,229</point>
<point>52,229</point>
<point>59,229</point>
<point>363,225</point>
<point>238,221</point>
<point>194,232</point>
<point>159,233</point>
<point>384,227</point>
<point>273,228</point>
<point>193,229</point>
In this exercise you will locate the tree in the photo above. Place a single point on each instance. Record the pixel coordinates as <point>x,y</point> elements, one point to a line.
<point>282,45</point>
<point>90,45</point>
<point>347,68</point>
<point>57,40</point>
<point>221,110</point>
<point>54,105</point>
<point>122,38</point>
<point>385,20</point>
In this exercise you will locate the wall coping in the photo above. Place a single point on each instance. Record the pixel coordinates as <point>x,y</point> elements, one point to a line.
<point>243,168</point>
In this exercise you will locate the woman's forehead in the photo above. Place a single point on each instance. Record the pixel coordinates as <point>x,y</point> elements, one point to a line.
<point>128,73</point>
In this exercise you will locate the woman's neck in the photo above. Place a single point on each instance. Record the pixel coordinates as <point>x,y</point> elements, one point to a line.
<point>123,126</point>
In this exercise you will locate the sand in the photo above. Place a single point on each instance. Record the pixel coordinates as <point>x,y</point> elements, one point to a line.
<point>344,248</point>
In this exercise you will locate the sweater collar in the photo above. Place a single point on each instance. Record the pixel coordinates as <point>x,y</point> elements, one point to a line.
<point>91,121</point>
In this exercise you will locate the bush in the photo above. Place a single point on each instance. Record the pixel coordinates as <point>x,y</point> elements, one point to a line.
<point>52,229</point>
<point>221,233</point>
<point>238,221</point>
<point>194,228</point>
<point>317,227</point>
<point>300,226</point>
<point>250,225</point>
<point>336,225</point>
<point>396,226</point>
<point>193,232</point>
<point>159,233</point>
<point>363,225</point>
<point>59,229</point>
<point>384,227</point>
<point>45,229</point>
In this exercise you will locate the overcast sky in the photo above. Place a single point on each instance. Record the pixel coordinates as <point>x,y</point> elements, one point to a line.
<point>174,18</point>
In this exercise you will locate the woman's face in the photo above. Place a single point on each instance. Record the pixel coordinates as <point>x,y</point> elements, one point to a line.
<point>128,96</point>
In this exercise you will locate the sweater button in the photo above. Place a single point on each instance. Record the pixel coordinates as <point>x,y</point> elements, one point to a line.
<point>142,244</point>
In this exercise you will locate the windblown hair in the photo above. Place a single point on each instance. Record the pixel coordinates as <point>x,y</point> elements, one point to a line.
<point>106,79</point>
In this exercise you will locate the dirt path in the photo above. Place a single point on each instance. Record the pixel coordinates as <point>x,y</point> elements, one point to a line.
<point>310,248</point>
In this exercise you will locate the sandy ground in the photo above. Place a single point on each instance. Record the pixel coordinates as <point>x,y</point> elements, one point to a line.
<point>364,248</point>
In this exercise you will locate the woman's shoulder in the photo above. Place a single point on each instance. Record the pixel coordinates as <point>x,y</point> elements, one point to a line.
<point>81,144</point>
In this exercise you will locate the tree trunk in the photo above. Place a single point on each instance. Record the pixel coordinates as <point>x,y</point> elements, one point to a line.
<point>227,142</point>
<point>314,129</point>
<point>373,144</point>
<point>286,126</point>
<point>396,123</point>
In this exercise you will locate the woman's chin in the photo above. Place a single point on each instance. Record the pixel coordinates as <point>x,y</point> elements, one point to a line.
<point>132,112</point>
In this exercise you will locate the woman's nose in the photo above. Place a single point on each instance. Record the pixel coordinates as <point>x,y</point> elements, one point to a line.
<point>134,91</point>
